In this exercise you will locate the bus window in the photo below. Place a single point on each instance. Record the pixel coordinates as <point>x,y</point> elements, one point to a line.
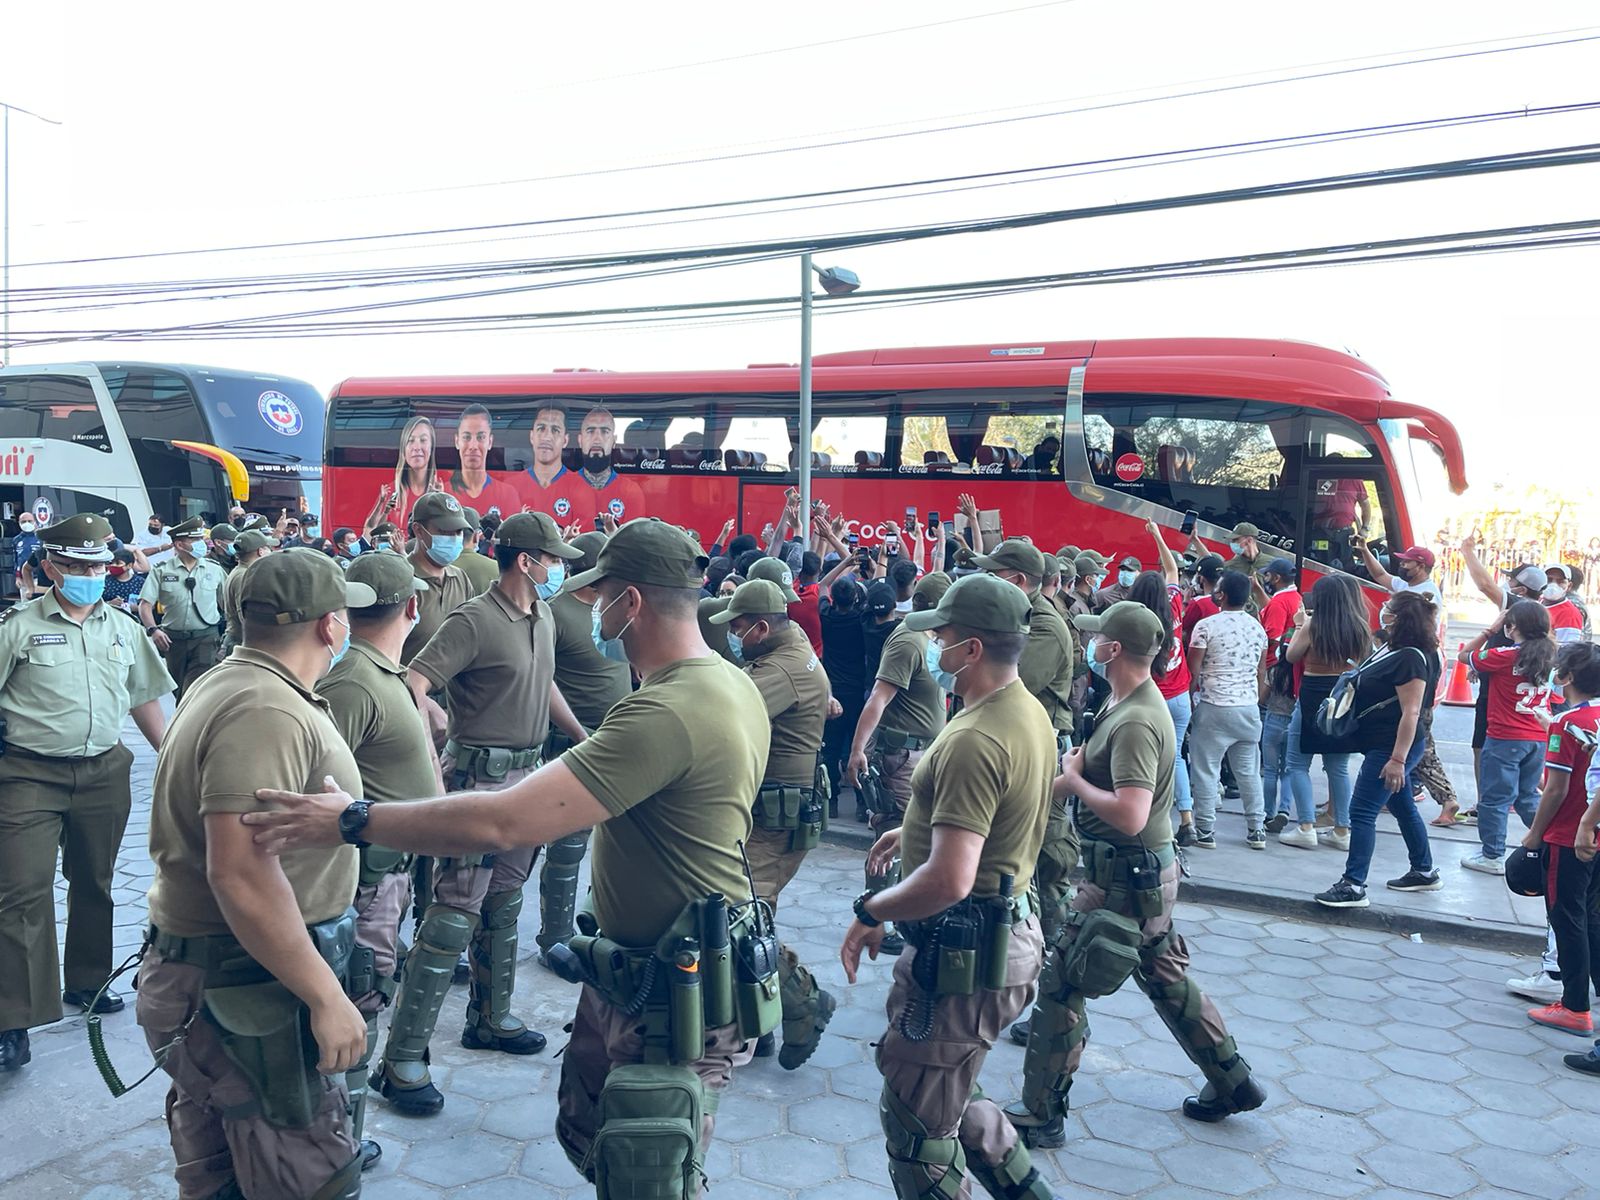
<point>1331,437</point>
<point>1344,506</point>
<point>851,442</point>
<point>1036,440</point>
<point>748,437</point>
<point>54,407</point>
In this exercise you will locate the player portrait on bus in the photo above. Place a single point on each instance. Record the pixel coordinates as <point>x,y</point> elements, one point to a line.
<point>621,497</point>
<point>470,482</point>
<point>416,472</point>
<point>546,485</point>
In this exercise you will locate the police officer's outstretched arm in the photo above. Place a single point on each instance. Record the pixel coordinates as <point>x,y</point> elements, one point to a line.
<point>260,908</point>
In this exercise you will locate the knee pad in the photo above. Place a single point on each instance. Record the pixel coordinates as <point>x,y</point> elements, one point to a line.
<point>501,909</point>
<point>444,930</point>
<point>920,1167</point>
<point>430,968</point>
<point>1014,1179</point>
<point>343,1184</point>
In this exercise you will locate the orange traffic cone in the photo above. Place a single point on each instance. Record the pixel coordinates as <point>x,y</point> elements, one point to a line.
<point>1459,690</point>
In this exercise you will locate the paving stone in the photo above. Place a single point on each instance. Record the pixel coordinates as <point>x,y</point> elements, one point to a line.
<point>464,1158</point>
<point>1318,1183</point>
<point>509,1187</point>
<point>1333,1062</point>
<point>1231,1172</point>
<point>1517,1171</point>
<point>1420,1130</point>
<point>1130,1125</point>
<point>1341,1095</point>
<point>1115,1169</point>
<point>834,1119</point>
<point>522,1119</point>
<point>1525,1133</point>
<point>1422,1065</point>
<point>1419,1170</point>
<point>799,1162</point>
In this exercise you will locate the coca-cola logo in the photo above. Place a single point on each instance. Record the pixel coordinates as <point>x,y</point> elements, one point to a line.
<point>708,464</point>
<point>988,469</point>
<point>913,469</point>
<point>1129,468</point>
<point>652,464</point>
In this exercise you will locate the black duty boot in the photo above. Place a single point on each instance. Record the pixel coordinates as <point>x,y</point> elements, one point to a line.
<point>14,1049</point>
<point>1209,1107</point>
<point>1037,1133</point>
<point>371,1152</point>
<point>1018,1032</point>
<point>766,1045</point>
<point>109,1003</point>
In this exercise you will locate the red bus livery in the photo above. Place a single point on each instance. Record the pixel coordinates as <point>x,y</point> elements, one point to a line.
<point>1073,442</point>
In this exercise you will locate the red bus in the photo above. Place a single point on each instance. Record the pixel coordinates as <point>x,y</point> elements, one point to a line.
<point>1073,442</point>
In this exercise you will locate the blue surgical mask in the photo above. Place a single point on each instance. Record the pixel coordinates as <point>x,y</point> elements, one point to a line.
<point>1126,578</point>
<point>612,648</point>
<point>735,646</point>
<point>933,657</point>
<point>83,589</point>
<point>1095,665</point>
<point>225,548</point>
<point>353,549</point>
<point>1236,547</point>
<point>444,548</point>
<point>343,649</point>
<point>555,576</point>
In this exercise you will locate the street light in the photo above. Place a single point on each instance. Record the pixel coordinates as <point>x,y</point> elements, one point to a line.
<point>836,281</point>
<point>5,229</point>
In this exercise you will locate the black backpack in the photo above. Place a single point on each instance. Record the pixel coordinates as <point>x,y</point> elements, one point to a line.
<point>1337,716</point>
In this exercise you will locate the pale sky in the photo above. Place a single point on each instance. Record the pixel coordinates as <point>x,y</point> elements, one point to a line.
<point>189,125</point>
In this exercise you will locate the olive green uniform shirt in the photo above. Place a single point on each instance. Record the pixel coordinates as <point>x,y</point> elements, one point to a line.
<point>183,609</point>
<point>66,688</point>
<point>372,706</point>
<point>496,663</point>
<point>232,614</point>
<point>205,767</point>
<point>482,572</point>
<point>795,689</point>
<point>1133,745</point>
<point>989,772</point>
<point>918,705</point>
<point>1046,663</point>
<point>677,764</point>
<point>445,594</point>
<point>1248,566</point>
<point>590,682</point>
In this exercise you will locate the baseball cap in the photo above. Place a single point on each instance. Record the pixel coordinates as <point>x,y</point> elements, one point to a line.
<point>752,597</point>
<point>188,529</point>
<point>1131,560</point>
<point>646,551</point>
<point>474,519</point>
<point>1052,566</point>
<point>441,509</point>
<point>1013,554</point>
<point>1088,565</point>
<point>979,602</point>
<point>251,540</point>
<point>589,544</point>
<point>1246,530</point>
<point>932,587</point>
<point>1418,554</point>
<point>1100,559</point>
<point>1529,577</point>
<point>1068,553</point>
<point>299,585</point>
<point>388,576</point>
<point>881,598</point>
<point>778,572</point>
<point>82,538</point>
<point>534,531</point>
<point>1280,566</point>
<point>1559,568</point>
<point>1135,626</point>
<point>1209,566</point>
<point>222,533</point>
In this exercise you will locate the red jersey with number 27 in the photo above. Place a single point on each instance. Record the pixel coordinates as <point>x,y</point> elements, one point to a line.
<point>1572,742</point>
<point>1513,699</point>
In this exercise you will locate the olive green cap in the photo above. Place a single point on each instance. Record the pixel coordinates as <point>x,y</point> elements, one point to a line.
<point>1052,567</point>
<point>299,585</point>
<point>646,551</point>
<point>441,509</point>
<point>534,531</point>
<point>474,518</point>
<point>589,543</point>
<point>932,587</point>
<point>777,571</point>
<point>1086,565</point>
<point>251,540</point>
<point>1135,626</point>
<point>1244,529</point>
<point>222,533</point>
<point>81,538</point>
<point>1013,554</point>
<point>1100,559</point>
<point>979,602</point>
<point>754,597</point>
<point>388,576</point>
<point>1068,553</point>
<point>193,527</point>
<point>386,529</point>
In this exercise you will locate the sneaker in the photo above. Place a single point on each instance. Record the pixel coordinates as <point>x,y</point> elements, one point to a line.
<point>1477,861</point>
<point>1470,817</point>
<point>1343,894</point>
<point>1306,839</point>
<point>1230,792</point>
<point>1557,1016</point>
<point>1588,1064</point>
<point>1205,841</point>
<point>1186,834</point>
<point>1417,881</point>
<point>1277,821</point>
<point>1335,840</point>
<point>1256,839</point>
<point>1538,987</point>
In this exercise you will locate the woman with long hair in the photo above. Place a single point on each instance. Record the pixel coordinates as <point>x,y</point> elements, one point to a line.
<point>1394,685</point>
<point>1159,592</point>
<point>1331,636</point>
<point>416,473</point>
<point>1518,680</point>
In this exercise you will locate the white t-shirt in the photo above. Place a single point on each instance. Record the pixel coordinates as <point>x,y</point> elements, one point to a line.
<point>144,539</point>
<point>1427,587</point>
<point>1233,643</point>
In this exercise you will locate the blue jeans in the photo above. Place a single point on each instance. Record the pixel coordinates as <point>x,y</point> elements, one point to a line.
<point>1274,738</point>
<point>1181,708</point>
<point>1298,776</point>
<point>1508,777</point>
<point>1372,796</point>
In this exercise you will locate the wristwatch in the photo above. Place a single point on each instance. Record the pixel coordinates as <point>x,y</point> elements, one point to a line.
<point>353,820</point>
<point>862,915</point>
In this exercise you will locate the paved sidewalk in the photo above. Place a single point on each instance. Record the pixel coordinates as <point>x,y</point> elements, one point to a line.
<point>1395,1068</point>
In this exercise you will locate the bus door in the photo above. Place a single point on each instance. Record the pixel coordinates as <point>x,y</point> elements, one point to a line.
<point>1342,506</point>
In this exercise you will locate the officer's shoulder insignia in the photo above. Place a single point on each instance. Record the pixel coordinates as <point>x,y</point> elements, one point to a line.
<point>10,612</point>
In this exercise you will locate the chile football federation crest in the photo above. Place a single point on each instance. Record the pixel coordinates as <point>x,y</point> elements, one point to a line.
<point>615,507</point>
<point>562,507</point>
<point>280,412</point>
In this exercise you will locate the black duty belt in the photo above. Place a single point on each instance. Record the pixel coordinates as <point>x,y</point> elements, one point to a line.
<point>24,752</point>
<point>893,740</point>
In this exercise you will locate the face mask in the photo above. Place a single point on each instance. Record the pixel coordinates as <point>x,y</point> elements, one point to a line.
<point>353,549</point>
<point>444,548</point>
<point>382,546</point>
<point>934,657</point>
<point>612,648</point>
<point>1236,547</point>
<point>1126,578</point>
<point>735,646</point>
<point>1095,665</point>
<point>25,528</point>
<point>555,576</point>
<point>83,589</point>
<point>343,647</point>
<point>225,548</point>
<point>1553,592</point>
<point>1096,581</point>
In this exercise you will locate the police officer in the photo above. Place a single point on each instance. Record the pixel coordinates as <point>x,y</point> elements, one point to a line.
<point>439,526</point>
<point>791,804</point>
<point>220,549</point>
<point>188,587</point>
<point>980,799</point>
<point>478,567</point>
<point>591,683</point>
<point>669,780</point>
<point>495,657</point>
<point>376,713</point>
<point>1120,783</point>
<point>70,670</point>
<point>248,1014</point>
<point>250,546</point>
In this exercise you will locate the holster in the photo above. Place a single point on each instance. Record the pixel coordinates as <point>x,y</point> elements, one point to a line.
<point>1130,876</point>
<point>490,762</point>
<point>892,740</point>
<point>965,940</point>
<point>557,744</point>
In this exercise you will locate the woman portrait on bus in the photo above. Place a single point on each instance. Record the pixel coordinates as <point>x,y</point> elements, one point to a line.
<point>414,474</point>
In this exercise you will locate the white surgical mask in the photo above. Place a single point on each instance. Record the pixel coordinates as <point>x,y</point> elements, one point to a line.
<point>934,659</point>
<point>1553,591</point>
